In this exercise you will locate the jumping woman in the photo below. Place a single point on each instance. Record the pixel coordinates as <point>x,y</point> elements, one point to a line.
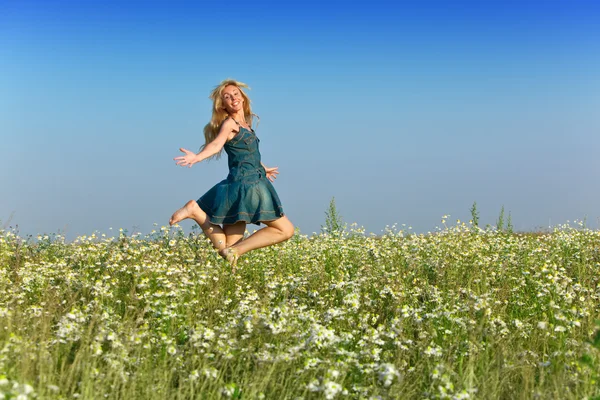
<point>246,195</point>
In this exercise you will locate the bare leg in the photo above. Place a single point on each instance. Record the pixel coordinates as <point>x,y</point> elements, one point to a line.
<point>275,232</point>
<point>234,234</point>
<point>193,211</point>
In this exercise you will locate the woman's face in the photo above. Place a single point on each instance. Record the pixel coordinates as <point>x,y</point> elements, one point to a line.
<point>232,99</point>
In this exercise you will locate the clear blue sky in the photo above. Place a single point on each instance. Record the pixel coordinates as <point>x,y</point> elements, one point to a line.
<point>403,112</point>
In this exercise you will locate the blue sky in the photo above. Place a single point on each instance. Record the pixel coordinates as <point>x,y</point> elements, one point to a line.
<point>403,113</point>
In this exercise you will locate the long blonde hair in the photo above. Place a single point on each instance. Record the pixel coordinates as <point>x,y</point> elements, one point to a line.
<point>219,114</point>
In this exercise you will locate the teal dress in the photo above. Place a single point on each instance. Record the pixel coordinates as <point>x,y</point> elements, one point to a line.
<point>246,195</point>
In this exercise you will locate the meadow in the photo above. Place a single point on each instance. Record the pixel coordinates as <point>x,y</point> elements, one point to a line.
<point>459,313</point>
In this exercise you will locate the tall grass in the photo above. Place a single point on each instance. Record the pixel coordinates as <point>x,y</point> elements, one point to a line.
<point>459,313</point>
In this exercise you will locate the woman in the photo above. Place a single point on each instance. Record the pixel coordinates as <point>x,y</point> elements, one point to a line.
<point>247,195</point>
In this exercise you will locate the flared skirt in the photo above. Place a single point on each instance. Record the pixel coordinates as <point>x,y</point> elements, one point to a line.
<point>231,201</point>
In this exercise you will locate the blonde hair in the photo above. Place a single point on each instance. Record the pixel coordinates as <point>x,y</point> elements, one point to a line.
<point>219,114</point>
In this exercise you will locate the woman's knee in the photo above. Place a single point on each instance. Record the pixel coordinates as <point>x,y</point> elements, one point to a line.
<point>287,230</point>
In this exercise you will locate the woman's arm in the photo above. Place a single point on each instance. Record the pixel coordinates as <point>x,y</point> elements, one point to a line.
<point>190,158</point>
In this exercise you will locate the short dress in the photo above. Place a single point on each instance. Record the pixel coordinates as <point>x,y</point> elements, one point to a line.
<point>246,195</point>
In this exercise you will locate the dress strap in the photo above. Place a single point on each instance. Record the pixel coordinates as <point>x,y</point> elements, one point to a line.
<point>238,124</point>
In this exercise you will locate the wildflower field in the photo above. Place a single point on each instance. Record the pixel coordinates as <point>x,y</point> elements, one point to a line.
<point>462,313</point>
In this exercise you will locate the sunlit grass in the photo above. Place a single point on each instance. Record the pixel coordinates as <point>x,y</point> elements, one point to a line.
<point>459,313</point>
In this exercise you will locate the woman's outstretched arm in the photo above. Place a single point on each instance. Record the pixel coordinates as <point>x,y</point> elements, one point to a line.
<point>190,158</point>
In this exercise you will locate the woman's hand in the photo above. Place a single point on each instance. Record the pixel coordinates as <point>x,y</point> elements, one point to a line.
<point>188,160</point>
<point>271,173</point>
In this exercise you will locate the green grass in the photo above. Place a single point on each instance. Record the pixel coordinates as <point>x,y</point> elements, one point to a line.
<point>461,313</point>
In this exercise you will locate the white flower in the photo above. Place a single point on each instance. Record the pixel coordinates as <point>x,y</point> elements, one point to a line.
<point>352,300</point>
<point>321,336</point>
<point>311,362</point>
<point>333,373</point>
<point>387,373</point>
<point>462,395</point>
<point>209,334</point>
<point>230,389</point>
<point>433,351</point>
<point>542,325</point>
<point>314,386</point>
<point>331,389</point>
<point>518,324</point>
<point>210,372</point>
<point>194,375</point>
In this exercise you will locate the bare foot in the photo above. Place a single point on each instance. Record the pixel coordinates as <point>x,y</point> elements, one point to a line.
<point>231,255</point>
<point>187,211</point>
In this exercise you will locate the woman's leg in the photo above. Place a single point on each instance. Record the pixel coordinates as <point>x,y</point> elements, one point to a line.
<point>212,231</point>
<point>275,232</point>
<point>234,233</point>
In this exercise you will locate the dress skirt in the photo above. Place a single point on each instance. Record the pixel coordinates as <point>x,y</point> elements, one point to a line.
<point>251,198</point>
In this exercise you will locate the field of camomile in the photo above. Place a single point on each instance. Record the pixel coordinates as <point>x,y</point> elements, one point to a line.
<point>460,313</point>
